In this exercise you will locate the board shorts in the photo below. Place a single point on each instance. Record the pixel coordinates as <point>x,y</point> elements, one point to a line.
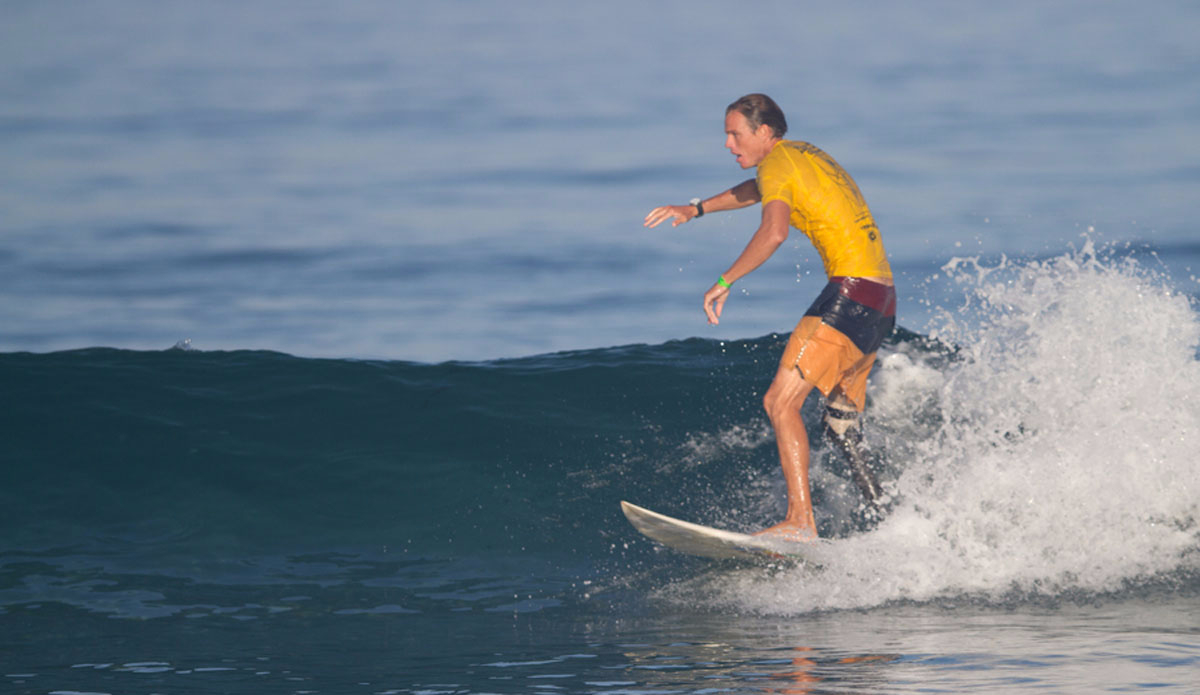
<point>834,345</point>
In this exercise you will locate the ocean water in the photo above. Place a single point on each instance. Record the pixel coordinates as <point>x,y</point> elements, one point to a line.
<point>330,340</point>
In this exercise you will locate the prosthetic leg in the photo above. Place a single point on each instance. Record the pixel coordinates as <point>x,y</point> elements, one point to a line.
<point>843,428</point>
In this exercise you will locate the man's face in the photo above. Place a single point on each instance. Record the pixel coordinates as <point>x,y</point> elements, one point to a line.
<point>749,146</point>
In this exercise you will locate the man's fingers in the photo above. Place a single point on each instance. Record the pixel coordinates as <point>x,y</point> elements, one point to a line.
<point>658,215</point>
<point>717,307</point>
<point>714,301</point>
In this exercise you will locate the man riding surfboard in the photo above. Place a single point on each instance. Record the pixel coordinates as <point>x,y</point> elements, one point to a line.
<point>833,347</point>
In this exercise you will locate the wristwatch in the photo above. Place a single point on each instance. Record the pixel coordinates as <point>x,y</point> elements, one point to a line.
<point>699,207</point>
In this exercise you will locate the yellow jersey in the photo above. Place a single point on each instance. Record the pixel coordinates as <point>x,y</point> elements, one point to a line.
<point>827,206</point>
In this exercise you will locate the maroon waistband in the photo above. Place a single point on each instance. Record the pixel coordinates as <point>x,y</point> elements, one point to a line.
<point>878,296</point>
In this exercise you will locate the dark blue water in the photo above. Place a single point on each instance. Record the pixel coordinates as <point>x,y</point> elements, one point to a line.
<point>213,507</point>
<point>276,453</point>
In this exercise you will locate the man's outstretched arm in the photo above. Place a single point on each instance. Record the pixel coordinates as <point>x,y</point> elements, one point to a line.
<point>742,195</point>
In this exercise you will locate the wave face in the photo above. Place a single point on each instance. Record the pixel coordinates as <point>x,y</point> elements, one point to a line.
<point>1041,440</point>
<point>264,452</point>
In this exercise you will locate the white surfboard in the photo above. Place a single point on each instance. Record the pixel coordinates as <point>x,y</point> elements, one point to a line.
<point>706,541</point>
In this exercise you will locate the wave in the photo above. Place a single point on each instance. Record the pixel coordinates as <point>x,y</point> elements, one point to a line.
<point>1041,440</point>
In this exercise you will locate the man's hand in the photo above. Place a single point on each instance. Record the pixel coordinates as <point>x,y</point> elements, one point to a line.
<point>680,213</point>
<point>714,302</point>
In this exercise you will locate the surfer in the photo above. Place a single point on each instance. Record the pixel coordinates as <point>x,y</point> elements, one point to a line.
<point>833,347</point>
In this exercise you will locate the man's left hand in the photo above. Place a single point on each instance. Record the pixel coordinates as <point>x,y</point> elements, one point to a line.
<point>714,302</point>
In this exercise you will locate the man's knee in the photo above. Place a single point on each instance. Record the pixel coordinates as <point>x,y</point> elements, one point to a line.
<point>786,394</point>
<point>774,404</point>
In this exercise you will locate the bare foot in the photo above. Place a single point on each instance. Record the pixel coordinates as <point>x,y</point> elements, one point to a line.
<point>790,531</point>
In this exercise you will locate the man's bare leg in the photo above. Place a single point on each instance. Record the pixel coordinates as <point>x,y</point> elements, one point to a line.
<point>783,402</point>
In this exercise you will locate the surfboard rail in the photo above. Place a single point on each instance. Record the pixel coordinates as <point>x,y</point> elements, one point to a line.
<point>705,541</point>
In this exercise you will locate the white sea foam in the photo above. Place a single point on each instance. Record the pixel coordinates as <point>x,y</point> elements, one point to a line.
<point>1059,453</point>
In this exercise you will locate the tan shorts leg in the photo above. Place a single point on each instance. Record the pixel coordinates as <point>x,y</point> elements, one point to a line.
<point>829,360</point>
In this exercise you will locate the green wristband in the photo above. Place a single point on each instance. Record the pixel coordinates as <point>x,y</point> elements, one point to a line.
<point>724,283</point>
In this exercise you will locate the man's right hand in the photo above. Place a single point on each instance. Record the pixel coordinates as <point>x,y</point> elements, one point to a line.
<point>680,213</point>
